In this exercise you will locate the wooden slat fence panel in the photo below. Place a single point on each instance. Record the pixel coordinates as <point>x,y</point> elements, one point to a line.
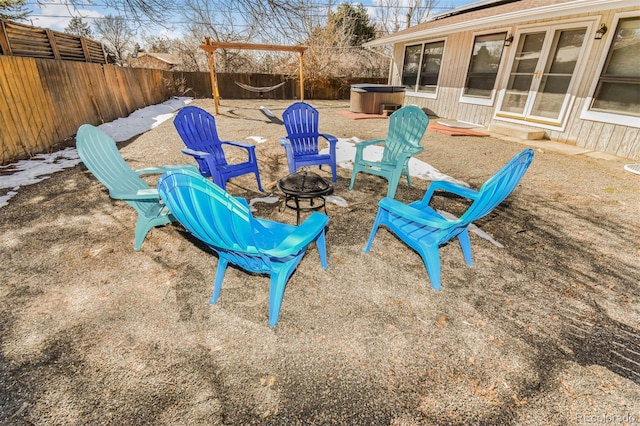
<point>27,117</point>
<point>329,88</point>
<point>96,52</point>
<point>18,39</point>
<point>195,84</point>
<point>69,47</point>
<point>43,102</point>
<point>28,41</point>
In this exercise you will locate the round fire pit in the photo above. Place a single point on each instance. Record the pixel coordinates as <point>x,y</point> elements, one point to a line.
<point>305,191</point>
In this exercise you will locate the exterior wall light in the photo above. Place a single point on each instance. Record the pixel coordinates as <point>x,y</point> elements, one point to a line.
<point>601,31</point>
<point>509,39</point>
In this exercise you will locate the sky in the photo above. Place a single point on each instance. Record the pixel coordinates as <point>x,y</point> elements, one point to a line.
<point>38,169</point>
<point>56,14</point>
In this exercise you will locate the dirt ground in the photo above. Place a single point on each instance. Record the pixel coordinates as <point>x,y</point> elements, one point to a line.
<point>541,332</point>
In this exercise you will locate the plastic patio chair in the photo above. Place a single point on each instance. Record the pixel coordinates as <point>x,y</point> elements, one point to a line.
<point>225,224</point>
<point>197,129</point>
<point>425,230</point>
<point>303,138</point>
<point>406,128</point>
<point>100,155</point>
<point>633,168</point>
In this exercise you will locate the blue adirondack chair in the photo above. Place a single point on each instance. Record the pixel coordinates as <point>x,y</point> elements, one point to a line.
<point>226,225</point>
<point>425,230</point>
<point>303,138</point>
<point>100,155</point>
<point>406,128</point>
<point>197,128</point>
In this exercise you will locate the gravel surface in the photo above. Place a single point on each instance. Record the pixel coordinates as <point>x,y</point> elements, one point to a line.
<point>541,332</point>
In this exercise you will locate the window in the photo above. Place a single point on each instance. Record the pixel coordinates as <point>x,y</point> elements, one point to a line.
<point>422,66</point>
<point>483,68</point>
<point>411,66</point>
<point>618,89</point>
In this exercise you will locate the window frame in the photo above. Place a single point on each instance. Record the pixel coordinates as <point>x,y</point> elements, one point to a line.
<point>618,118</point>
<point>414,90</point>
<point>478,100</point>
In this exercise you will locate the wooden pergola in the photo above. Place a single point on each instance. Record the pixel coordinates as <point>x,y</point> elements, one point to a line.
<point>210,47</point>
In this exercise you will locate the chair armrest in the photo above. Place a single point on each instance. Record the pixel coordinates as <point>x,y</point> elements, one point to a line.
<point>363,144</point>
<point>239,144</point>
<point>284,141</point>
<point>162,169</point>
<point>141,194</point>
<point>403,157</point>
<point>454,188</point>
<point>415,150</point>
<point>415,215</point>
<point>194,153</point>
<point>303,235</point>
<point>330,138</point>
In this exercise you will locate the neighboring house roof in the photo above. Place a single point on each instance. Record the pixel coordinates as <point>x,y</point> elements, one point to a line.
<point>169,58</point>
<point>490,13</point>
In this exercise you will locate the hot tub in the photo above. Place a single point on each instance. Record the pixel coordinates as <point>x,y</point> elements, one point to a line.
<point>369,98</point>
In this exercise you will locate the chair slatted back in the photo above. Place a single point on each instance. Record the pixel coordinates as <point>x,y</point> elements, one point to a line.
<point>301,122</point>
<point>100,154</point>
<point>102,158</point>
<point>212,215</point>
<point>198,130</point>
<point>406,129</point>
<point>499,186</point>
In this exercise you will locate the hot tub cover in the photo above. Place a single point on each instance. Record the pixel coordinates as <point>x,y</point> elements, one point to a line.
<point>379,88</point>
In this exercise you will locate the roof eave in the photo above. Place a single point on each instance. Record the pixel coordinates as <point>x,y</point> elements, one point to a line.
<point>543,12</point>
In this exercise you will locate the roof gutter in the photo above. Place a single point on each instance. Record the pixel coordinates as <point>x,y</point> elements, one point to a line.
<point>544,12</point>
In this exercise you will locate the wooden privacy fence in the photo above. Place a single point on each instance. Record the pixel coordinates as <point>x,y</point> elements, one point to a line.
<point>43,102</point>
<point>327,88</point>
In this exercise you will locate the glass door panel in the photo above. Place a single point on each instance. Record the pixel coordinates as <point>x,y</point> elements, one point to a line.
<point>523,70</point>
<point>556,79</point>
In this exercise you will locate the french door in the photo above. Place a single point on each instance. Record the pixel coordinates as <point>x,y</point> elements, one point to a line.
<point>543,73</point>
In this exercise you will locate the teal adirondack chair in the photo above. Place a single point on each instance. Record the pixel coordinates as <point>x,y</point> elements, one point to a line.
<point>425,230</point>
<point>225,224</point>
<point>406,128</point>
<point>100,155</point>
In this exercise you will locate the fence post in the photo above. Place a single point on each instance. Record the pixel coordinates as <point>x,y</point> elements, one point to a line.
<point>52,42</point>
<point>85,49</point>
<point>4,41</point>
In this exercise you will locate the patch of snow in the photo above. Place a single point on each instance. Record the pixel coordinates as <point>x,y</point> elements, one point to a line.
<point>41,166</point>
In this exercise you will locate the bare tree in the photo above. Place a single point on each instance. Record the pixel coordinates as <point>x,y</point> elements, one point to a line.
<point>117,34</point>
<point>334,50</point>
<point>262,13</point>
<point>396,15</point>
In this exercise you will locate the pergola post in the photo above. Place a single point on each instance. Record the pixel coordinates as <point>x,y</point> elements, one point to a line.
<point>214,81</point>
<point>210,47</point>
<point>301,76</point>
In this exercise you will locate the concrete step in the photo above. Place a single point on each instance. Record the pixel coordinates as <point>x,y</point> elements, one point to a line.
<point>521,132</point>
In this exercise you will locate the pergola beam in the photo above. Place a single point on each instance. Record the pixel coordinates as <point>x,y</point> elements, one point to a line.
<point>210,47</point>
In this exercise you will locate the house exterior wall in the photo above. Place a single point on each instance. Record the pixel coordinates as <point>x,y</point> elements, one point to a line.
<point>149,62</point>
<point>587,132</point>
